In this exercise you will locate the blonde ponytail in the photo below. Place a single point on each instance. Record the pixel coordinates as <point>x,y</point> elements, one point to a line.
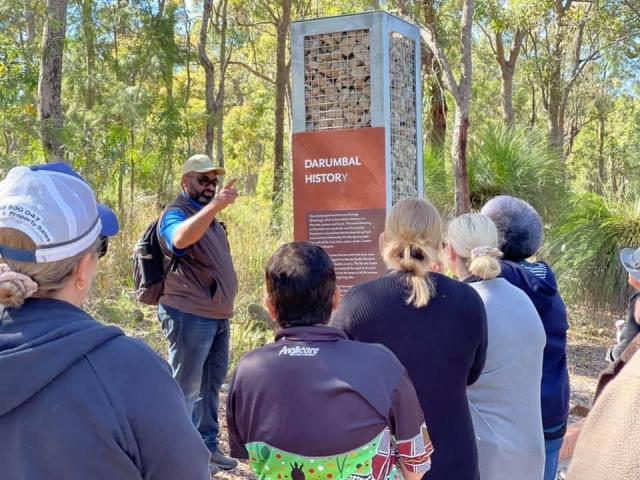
<point>474,238</point>
<point>413,231</point>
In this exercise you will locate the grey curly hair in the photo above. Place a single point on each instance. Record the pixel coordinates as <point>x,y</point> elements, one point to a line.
<point>519,225</point>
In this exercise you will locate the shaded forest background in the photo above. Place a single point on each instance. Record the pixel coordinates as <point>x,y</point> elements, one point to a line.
<point>535,98</point>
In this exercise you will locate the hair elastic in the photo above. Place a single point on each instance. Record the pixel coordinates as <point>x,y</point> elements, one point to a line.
<point>486,251</point>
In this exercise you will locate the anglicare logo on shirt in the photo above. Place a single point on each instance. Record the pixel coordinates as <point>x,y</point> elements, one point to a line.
<point>299,351</point>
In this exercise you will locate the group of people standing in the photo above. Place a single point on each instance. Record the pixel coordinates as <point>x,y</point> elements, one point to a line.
<point>492,386</point>
<point>412,373</point>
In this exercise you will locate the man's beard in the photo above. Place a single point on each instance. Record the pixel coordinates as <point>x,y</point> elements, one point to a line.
<point>201,198</point>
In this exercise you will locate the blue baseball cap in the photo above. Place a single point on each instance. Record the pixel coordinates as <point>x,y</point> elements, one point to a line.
<point>55,207</point>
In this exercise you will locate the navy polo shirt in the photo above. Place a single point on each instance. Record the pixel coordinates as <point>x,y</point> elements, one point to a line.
<point>317,406</point>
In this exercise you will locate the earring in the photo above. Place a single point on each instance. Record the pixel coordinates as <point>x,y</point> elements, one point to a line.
<point>81,284</point>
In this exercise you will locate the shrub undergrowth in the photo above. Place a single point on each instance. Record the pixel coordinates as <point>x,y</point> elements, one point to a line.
<point>583,248</point>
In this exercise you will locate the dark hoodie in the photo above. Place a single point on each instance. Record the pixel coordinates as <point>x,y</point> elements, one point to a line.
<point>543,292</point>
<point>80,400</point>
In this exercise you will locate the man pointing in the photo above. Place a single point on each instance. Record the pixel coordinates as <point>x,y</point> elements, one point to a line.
<point>199,292</point>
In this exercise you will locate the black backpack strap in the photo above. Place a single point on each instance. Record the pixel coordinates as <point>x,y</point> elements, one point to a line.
<point>173,265</point>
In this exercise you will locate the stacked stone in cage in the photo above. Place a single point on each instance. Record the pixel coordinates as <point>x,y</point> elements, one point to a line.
<point>402,85</point>
<point>337,79</point>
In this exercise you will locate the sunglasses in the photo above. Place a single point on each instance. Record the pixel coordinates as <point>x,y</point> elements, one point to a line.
<point>205,181</point>
<point>103,246</point>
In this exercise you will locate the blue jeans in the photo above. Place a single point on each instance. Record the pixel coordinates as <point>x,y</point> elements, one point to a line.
<point>552,451</point>
<point>199,358</point>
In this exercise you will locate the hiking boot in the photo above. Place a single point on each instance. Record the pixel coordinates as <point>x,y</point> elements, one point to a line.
<point>225,463</point>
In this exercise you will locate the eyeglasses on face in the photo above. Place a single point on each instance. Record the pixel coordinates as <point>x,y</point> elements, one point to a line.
<point>205,181</point>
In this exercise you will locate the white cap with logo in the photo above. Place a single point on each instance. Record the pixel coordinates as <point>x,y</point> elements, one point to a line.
<point>56,208</point>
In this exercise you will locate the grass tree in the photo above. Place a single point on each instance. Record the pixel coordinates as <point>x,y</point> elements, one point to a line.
<point>515,161</point>
<point>584,248</point>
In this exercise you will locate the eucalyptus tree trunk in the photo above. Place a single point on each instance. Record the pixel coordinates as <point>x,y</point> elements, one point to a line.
<point>432,79</point>
<point>50,80</point>
<point>508,70</point>
<point>225,57</point>
<point>209,77</point>
<point>461,92</point>
<point>461,123</point>
<point>282,77</point>
<point>88,32</point>
<point>601,158</point>
<point>555,111</point>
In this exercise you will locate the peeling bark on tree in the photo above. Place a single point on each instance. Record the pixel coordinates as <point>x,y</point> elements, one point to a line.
<point>50,80</point>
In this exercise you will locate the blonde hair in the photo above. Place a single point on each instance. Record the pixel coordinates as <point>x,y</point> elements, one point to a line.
<point>409,243</point>
<point>474,237</point>
<point>50,277</point>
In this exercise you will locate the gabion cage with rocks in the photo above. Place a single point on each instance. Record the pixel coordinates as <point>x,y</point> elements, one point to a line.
<point>362,71</point>
<point>402,86</point>
<point>337,80</point>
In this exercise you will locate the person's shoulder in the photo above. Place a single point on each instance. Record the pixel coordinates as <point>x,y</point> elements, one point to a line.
<point>448,287</point>
<point>362,297</point>
<point>509,268</point>
<point>443,281</point>
<point>632,367</point>
<point>373,349</point>
<point>373,286</point>
<point>176,211</point>
<point>130,354</point>
<point>257,360</point>
<point>372,355</point>
<point>625,381</point>
<point>507,288</point>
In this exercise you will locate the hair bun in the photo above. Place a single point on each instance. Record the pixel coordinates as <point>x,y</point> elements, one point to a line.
<point>15,287</point>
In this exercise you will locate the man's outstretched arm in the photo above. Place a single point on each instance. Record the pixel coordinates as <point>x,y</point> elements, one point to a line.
<point>192,229</point>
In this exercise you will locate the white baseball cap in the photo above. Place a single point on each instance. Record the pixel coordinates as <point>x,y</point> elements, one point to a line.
<point>56,208</point>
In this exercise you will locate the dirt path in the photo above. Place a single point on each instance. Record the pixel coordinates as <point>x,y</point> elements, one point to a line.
<point>585,354</point>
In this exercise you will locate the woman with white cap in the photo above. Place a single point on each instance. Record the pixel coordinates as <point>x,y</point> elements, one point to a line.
<point>505,401</point>
<point>78,399</point>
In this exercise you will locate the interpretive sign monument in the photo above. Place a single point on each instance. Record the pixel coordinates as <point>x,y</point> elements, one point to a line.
<point>357,145</point>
